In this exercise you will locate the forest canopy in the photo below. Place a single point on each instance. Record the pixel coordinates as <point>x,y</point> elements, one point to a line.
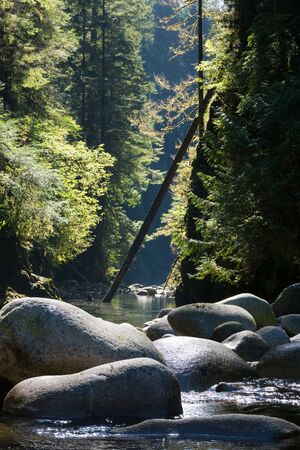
<point>235,226</point>
<point>77,132</point>
<point>91,106</point>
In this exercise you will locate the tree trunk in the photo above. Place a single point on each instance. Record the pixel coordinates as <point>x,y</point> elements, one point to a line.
<point>83,65</point>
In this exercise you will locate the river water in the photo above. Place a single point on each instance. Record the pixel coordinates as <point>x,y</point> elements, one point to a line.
<point>269,397</point>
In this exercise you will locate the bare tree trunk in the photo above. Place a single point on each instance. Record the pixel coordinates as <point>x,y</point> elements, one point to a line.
<point>200,70</point>
<point>83,66</point>
<point>103,75</point>
<point>189,286</point>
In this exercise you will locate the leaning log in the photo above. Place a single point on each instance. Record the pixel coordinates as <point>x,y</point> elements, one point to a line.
<point>158,199</point>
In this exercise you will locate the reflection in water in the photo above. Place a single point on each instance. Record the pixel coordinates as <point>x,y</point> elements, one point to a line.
<point>127,308</point>
<point>271,397</point>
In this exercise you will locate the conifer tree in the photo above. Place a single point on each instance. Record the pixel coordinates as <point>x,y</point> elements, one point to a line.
<point>111,95</point>
<point>50,182</point>
<point>247,221</point>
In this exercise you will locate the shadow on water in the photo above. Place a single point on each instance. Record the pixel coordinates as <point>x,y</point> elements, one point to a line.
<point>270,397</point>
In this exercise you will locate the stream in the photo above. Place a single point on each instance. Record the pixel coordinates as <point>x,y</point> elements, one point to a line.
<point>258,396</point>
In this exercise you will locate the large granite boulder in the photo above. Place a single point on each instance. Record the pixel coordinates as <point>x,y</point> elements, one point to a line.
<point>223,331</point>
<point>274,336</point>
<point>157,328</point>
<point>256,306</point>
<point>291,324</point>
<point>281,362</point>
<point>247,344</point>
<point>49,337</point>
<point>201,319</point>
<point>223,427</point>
<point>201,363</point>
<point>288,301</point>
<point>121,389</point>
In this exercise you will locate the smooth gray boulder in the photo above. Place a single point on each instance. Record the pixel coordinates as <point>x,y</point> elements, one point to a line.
<point>223,427</point>
<point>247,344</point>
<point>121,389</point>
<point>259,308</point>
<point>49,337</point>
<point>288,301</point>
<point>225,330</point>
<point>201,363</point>
<point>200,319</point>
<point>274,336</point>
<point>291,324</point>
<point>157,328</point>
<point>281,362</point>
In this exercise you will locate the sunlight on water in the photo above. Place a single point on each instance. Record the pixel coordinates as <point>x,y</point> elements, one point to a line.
<point>44,435</point>
<point>265,396</point>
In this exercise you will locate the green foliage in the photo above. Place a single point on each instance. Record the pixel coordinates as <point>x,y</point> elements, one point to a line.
<point>49,189</point>
<point>245,205</point>
<point>248,226</point>
<point>63,63</point>
<point>174,220</point>
<point>35,39</point>
<point>110,94</point>
<point>50,182</point>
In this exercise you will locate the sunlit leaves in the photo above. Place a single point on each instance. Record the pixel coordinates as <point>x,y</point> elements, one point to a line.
<point>49,190</point>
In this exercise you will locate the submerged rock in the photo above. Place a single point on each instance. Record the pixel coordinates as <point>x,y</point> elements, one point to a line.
<point>248,345</point>
<point>201,363</point>
<point>281,362</point>
<point>201,319</point>
<point>122,389</point>
<point>49,337</point>
<point>256,306</point>
<point>274,336</point>
<point>225,330</point>
<point>288,301</point>
<point>229,427</point>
